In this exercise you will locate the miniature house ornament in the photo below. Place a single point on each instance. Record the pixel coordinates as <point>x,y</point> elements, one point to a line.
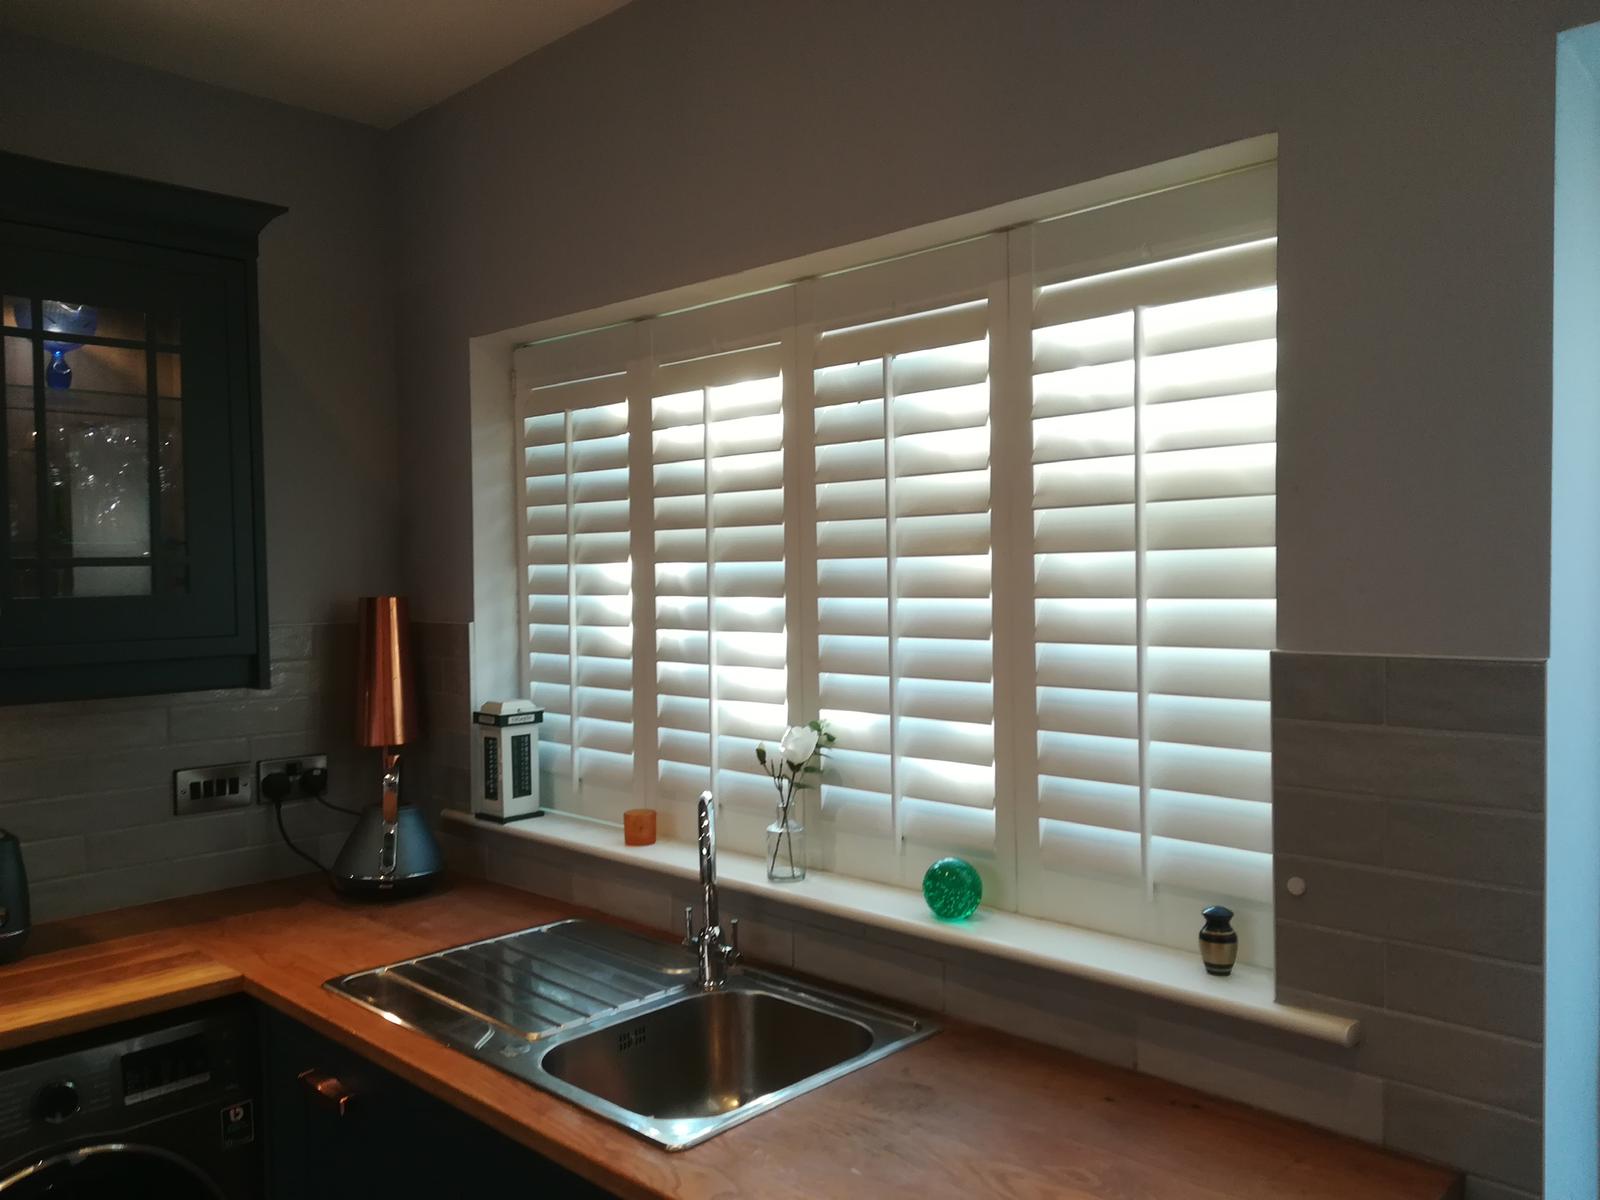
<point>507,767</point>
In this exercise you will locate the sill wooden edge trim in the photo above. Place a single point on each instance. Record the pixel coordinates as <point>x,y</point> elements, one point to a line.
<point>1248,994</point>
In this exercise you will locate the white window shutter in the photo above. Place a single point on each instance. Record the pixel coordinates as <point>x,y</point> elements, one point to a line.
<point>901,393</point>
<point>1153,411</point>
<point>578,621</point>
<point>720,563</point>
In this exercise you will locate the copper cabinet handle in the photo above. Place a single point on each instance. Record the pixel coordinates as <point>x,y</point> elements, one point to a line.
<point>327,1088</point>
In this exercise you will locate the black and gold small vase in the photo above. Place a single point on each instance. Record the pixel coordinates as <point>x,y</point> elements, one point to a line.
<point>1219,944</point>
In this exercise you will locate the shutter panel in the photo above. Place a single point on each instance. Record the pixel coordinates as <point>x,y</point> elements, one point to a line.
<point>721,630</point>
<point>1153,418</point>
<point>904,615</point>
<point>1209,443</point>
<point>577,568</point>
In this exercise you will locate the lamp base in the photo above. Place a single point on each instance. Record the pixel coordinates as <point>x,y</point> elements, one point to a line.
<point>418,861</point>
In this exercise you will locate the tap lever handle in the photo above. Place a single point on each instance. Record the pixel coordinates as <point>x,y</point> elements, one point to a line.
<point>733,938</point>
<point>688,925</point>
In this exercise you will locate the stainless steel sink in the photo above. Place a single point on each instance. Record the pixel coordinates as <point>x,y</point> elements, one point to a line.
<point>618,1024</point>
<point>707,1054</point>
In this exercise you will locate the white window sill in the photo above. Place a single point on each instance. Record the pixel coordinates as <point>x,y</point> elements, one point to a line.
<point>1173,975</point>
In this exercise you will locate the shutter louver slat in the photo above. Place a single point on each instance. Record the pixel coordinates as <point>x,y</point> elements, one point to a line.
<point>1093,850</point>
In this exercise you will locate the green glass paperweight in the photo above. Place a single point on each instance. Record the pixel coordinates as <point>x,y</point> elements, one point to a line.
<point>953,889</point>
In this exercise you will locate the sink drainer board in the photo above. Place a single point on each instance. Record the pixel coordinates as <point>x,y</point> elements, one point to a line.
<point>534,983</point>
<point>617,1024</point>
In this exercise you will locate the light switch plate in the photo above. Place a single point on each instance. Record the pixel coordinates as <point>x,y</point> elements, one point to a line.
<point>208,789</point>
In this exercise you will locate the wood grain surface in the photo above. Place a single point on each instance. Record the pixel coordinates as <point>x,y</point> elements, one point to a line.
<point>967,1113</point>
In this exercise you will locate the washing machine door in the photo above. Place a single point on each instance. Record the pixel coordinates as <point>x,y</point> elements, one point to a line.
<point>114,1171</point>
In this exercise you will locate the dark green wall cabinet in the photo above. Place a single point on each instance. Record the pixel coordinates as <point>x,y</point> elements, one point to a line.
<point>134,555</point>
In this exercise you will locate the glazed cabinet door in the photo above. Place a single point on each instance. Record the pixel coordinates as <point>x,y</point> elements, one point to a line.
<point>131,558</point>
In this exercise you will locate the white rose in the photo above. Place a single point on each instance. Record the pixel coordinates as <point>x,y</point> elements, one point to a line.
<point>798,745</point>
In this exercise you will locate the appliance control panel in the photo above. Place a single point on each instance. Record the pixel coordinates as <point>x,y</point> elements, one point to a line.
<point>110,1080</point>
<point>165,1069</point>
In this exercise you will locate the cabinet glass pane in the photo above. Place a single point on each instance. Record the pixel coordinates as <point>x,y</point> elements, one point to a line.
<point>97,446</point>
<point>104,581</point>
<point>74,319</point>
<point>21,492</point>
<point>169,459</point>
<point>108,520</point>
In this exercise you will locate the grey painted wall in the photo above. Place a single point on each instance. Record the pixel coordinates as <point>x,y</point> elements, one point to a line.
<point>88,786</point>
<point>676,141</point>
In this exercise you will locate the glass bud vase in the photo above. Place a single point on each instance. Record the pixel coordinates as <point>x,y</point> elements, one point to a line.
<point>786,845</point>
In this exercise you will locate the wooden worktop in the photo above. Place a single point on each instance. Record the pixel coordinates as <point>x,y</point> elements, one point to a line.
<point>966,1113</point>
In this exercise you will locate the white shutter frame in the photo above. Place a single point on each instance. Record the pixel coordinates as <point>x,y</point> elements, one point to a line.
<point>800,496</point>
<point>1226,210</point>
<point>762,318</point>
<point>927,282</point>
<point>578,356</point>
<point>641,518</point>
<point>1012,494</point>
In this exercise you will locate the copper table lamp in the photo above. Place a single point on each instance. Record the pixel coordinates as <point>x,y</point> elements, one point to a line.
<point>391,851</point>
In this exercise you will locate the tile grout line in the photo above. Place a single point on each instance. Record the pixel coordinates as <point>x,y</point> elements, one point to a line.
<point>1407,873</point>
<point>1475,955</point>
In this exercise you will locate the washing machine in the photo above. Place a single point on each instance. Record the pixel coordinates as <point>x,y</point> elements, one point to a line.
<point>165,1107</point>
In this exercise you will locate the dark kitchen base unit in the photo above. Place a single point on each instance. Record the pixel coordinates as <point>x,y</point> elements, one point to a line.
<point>390,1140</point>
<point>231,1099</point>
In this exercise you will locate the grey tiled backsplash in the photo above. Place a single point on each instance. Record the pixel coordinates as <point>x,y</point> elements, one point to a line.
<point>87,785</point>
<point>1410,801</point>
<point>1477,769</point>
<point>1409,798</point>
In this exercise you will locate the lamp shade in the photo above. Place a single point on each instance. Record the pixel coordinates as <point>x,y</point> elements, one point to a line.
<point>386,704</point>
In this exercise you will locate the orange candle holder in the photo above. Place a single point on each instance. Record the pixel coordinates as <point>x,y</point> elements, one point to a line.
<point>639,827</point>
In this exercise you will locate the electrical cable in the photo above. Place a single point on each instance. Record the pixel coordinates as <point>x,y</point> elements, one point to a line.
<point>339,808</point>
<point>277,810</point>
<point>314,783</point>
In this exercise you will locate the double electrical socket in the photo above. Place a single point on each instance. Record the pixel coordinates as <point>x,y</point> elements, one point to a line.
<point>238,784</point>
<point>297,771</point>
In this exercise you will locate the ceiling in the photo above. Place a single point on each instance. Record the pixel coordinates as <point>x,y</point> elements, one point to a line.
<point>373,61</point>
